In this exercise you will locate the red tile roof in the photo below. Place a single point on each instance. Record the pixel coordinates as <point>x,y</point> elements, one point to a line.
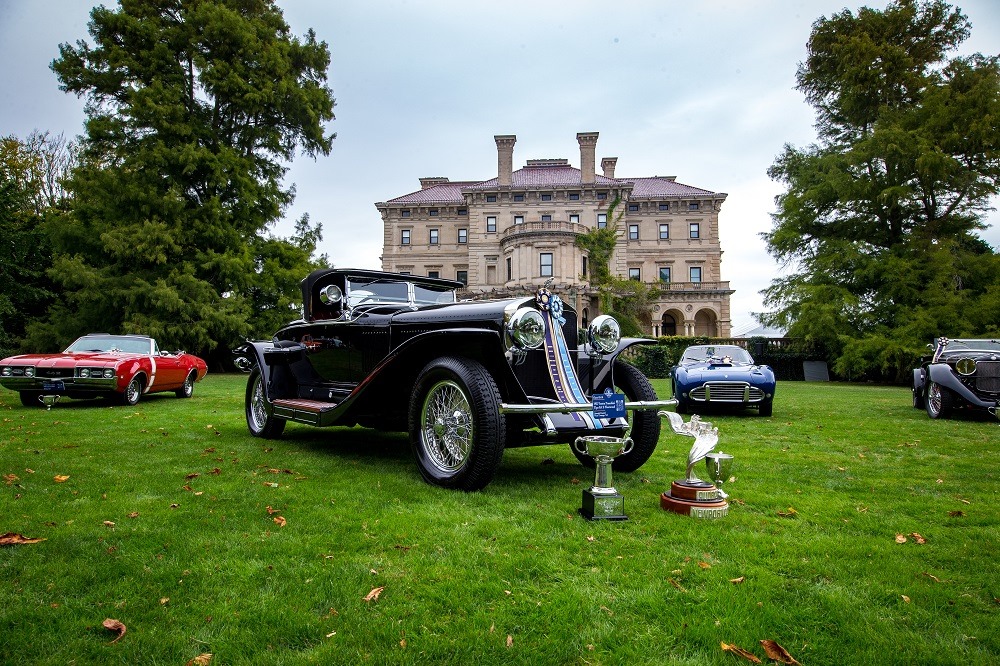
<point>446,193</point>
<point>548,176</point>
<point>658,187</point>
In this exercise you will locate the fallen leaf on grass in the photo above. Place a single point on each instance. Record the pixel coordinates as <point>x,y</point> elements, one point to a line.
<point>704,565</point>
<point>60,478</point>
<point>374,594</point>
<point>14,539</point>
<point>116,627</point>
<point>202,659</point>
<point>676,584</point>
<point>510,640</point>
<point>932,577</point>
<point>900,538</point>
<point>192,475</point>
<point>737,581</point>
<point>905,598</point>
<point>270,484</point>
<point>10,479</point>
<point>790,513</point>
<point>108,523</point>
<point>919,539</point>
<point>164,601</point>
<point>134,514</point>
<point>956,514</point>
<point>280,521</point>
<point>736,649</point>
<point>777,653</point>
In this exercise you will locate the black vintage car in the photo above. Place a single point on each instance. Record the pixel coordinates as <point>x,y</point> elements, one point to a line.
<point>466,379</point>
<point>959,374</point>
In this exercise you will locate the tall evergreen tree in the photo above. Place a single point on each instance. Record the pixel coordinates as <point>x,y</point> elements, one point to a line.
<point>878,222</point>
<point>194,109</point>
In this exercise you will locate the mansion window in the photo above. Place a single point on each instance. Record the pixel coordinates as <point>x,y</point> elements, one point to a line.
<point>433,237</point>
<point>463,211</point>
<point>695,230</point>
<point>602,220</point>
<point>546,218</point>
<point>435,274</point>
<point>574,196</point>
<point>510,271</point>
<point>664,273</point>
<point>693,205</point>
<point>519,219</point>
<point>518,197</point>
<point>463,235</point>
<point>546,197</point>
<point>664,232</point>
<point>584,272</point>
<point>574,219</point>
<point>491,224</point>
<point>634,274</point>
<point>602,195</point>
<point>405,212</point>
<point>433,212</point>
<point>696,274</point>
<point>633,208</point>
<point>462,276</point>
<point>664,206</point>
<point>545,264</point>
<point>633,232</point>
<point>405,239</point>
<point>491,198</point>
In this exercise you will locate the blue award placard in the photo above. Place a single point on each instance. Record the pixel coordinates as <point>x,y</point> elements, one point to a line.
<point>609,405</point>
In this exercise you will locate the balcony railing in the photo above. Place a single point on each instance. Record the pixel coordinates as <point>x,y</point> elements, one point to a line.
<point>690,286</point>
<point>539,227</point>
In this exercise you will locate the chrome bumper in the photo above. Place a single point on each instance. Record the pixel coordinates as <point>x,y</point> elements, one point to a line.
<point>568,407</point>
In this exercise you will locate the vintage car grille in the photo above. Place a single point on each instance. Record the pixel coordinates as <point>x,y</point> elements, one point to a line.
<point>988,376</point>
<point>727,392</point>
<point>54,373</point>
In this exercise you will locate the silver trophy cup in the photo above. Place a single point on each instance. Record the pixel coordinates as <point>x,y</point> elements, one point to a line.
<point>601,501</point>
<point>49,400</point>
<point>719,466</point>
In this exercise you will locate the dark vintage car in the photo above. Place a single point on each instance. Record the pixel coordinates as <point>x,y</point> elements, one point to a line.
<point>96,365</point>
<point>722,376</point>
<point>959,374</point>
<point>465,379</point>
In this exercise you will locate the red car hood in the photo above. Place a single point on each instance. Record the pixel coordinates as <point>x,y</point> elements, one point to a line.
<point>66,360</point>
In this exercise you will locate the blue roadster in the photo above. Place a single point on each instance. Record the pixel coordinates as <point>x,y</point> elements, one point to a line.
<point>722,376</point>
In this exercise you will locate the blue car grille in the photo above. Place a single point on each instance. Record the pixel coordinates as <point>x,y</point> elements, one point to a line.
<point>727,392</point>
<point>988,376</point>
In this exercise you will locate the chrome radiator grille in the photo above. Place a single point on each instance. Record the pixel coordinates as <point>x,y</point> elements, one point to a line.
<point>727,392</point>
<point>988,376</point>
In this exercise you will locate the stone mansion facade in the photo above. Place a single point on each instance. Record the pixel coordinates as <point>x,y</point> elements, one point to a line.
<point>512,233</point>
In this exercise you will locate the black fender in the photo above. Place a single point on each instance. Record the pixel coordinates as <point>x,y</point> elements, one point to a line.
<point>604,363</point>
<point>942,374</point>
<point>918,381</point>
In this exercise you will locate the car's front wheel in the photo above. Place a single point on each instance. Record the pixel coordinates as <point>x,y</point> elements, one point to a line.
<point>30,398</point>
<point>187,388</point>
<point>939,402</point>
<point>261,420</point>
<point>645,431</point>
<point>456,429</point>
<point>766,408</point>
<point>132,392</point>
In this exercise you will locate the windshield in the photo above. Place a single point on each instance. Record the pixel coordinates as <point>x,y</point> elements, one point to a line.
<point>110,343</point>
<point>385,290</point>
<point>966,345</point>
<point>718,352</point>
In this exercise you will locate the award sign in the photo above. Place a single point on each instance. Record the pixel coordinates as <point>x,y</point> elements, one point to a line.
<point>601,501</point>
<point>691,496</point>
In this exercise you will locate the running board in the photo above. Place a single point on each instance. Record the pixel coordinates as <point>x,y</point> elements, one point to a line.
<point>302,410</point>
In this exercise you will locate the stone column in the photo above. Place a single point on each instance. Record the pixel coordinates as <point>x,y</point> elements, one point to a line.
<point>505,158</point>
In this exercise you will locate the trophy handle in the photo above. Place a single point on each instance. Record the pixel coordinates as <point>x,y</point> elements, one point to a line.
<point>576,446</point>
<point>627,446</point>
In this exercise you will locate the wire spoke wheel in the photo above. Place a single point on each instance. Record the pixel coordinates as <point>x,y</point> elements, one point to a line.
<point>446,426</point>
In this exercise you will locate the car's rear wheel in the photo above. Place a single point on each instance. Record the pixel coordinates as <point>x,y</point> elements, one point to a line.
<point>918,389</point>
<point>456,430</point>
<point>187,388</point>
<point>645,431</point>
<point>261,420</point>
<point>133,391</point>
<point>940,401</point>
<point>30,398</point>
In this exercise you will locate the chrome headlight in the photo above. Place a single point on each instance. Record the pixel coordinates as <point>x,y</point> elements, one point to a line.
<point>527,328</point>
<point>29,371</point>
<point>85,372</point>
<point>6,371</point>
<point>604,333</point>
<point>965,366</point>
<point>109,373</point>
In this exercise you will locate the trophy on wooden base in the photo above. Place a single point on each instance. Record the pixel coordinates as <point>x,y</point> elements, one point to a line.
<point>691,496</point>
<point>601,501</point>
<point>49,400</point>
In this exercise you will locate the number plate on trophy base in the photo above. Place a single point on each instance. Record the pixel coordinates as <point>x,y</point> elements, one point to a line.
<point>694,490</point>
<point>717,508</point>
<point>603,507</point>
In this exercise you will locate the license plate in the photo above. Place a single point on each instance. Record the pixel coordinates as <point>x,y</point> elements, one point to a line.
<point>54,386</point>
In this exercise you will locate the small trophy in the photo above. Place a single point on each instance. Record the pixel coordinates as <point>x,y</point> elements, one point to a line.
<point>719,466</point>
<point>601,501</point>
<point>49,400</point>
<point>691,496</point>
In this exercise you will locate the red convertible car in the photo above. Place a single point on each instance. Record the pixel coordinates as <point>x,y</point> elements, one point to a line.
<point>96,365</point>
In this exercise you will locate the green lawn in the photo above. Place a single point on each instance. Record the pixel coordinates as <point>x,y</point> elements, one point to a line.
<point>170,521</point>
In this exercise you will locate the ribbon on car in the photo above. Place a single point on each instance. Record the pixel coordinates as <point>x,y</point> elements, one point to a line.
<point>562,371</point>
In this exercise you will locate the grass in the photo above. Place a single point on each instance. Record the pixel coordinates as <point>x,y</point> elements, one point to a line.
<point>199,564</point>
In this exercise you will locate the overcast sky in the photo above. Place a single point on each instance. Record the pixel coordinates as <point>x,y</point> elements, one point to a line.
<point>703,91</point>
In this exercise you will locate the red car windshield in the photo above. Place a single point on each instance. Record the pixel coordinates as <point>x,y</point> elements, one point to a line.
<point>110,343</point>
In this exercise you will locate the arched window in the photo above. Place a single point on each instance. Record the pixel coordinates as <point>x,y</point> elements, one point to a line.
<point>668,325</point>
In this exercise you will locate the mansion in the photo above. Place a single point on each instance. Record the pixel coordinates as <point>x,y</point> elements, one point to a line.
<point>512,233</point>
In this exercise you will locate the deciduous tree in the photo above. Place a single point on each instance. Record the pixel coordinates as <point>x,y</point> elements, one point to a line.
<point>194,110</point>
<point>878,223</point>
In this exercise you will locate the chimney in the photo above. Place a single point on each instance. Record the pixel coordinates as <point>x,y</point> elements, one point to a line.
<point>431,182</point>
<point>608,165</point>
<point>505,158</point>
<point>588,150</point>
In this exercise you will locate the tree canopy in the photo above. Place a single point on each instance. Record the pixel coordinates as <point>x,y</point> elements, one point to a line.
<point>878,222</point>
<point>194,110</point>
